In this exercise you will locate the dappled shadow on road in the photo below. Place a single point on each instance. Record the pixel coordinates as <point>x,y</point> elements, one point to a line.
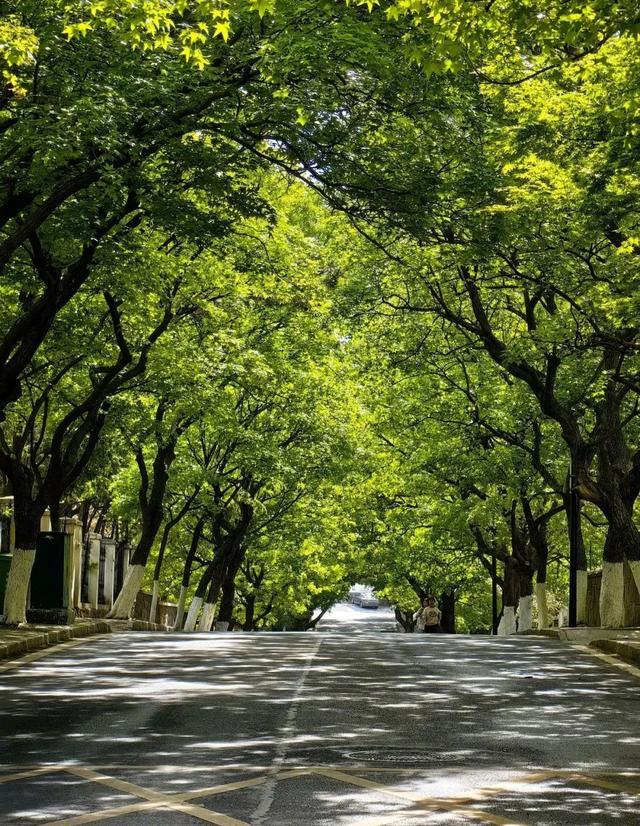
<point>344,799</point>
<point>426,716</point>
<point>54,796</point>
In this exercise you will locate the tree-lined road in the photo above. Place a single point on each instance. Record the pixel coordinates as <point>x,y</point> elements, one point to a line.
<point>285,729</point>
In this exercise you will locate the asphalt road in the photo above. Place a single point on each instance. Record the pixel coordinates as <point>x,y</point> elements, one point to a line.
<point>347,618</point>
<point>311,729</point>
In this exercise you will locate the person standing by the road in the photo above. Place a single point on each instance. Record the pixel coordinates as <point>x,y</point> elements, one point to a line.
<point>431,616</point>
<point>418,618</point>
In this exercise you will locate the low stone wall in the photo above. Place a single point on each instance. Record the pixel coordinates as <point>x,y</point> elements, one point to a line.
<point>166,612</point>
<point>631,599</point>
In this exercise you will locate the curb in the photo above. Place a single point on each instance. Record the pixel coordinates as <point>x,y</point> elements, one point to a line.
<point>33,639</point>
<point>627,651</point>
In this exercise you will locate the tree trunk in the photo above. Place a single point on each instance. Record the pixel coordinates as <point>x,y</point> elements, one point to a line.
<point>510,595</point>
<point>208,608</point>
<point>177,626</point>
<point>156,573</point>
<point>311,622</point>
<point>541,583</point>
<point>249,612</point>
<point>192,615</point>
<point>199,597</point>
<point>15,600</point>
<point>186,574</point>
<point>622,540</point>
<point>421,588</point>
<point>163,546</point>
<point>208,611</point>
<point>54,516</point>
<point>582,574</point>
<point>206,617</point>
<point>225,612</point>
<point>405,620</point>
<point>538,530</point>
<point>617,482</point>
<point>152,515</point>
<point>27,516</point>
<point>155,595</point>
<point>525,602</point>
<point>262,617</point>
<point>448,608</point>
<point>542,605</point>
<point>123,606</point>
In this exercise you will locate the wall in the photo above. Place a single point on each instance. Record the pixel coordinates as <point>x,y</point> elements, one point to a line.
<point>631,599</point>
<point>165,614</point>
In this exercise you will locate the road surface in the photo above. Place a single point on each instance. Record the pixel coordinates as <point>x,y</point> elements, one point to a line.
<point>318,729</point>
<point>348,618</point>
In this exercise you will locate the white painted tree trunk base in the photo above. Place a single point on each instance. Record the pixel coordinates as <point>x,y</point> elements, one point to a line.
<point>17,587</point>
<point>204,616</point>
<point>155,595</point>
<point>123,606</point>
<point>612,595</point>
<point>507,622</point>
<point>177,626</point>
<point>207,617</point>
<point>221,626</point>
<point>192,615</point>
<point>525,613</point>
<point>541,605</point>
<point>582,582</point>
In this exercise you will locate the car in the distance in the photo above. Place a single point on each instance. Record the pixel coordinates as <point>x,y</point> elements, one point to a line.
<point>368,601</point>
<point>356,595</point>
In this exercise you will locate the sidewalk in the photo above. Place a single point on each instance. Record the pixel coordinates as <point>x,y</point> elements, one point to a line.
<point>14,642</point>
<point>623,643</point>
<point>628,649</point>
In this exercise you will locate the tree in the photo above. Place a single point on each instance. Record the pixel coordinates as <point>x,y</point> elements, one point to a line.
<point>47,445</point>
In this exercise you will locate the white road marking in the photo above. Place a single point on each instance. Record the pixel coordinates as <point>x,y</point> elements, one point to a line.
<point>286,734</point>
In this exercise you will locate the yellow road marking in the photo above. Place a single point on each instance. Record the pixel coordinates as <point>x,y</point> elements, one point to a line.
<point>242,784</point>
<point>600,782</point>
<point>428,803</point>
<point>382,820</point>
<point>415,811</point>
<point>117,811</point>
<point>456,805</point>
<point>155,800</point>
<point>472,814</point>
<point>417,802</point>
<point>119,785</point>
<point>105,814</point>
<point>5,778</point>
<point>207,815</point>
